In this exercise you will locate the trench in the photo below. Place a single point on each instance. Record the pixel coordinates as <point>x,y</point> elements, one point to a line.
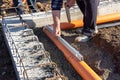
<point>98,60</point>
<point>101,62</point>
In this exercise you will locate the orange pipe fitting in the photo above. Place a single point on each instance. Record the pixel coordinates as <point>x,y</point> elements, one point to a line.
<point>100,19</point>
<point>80,66</point>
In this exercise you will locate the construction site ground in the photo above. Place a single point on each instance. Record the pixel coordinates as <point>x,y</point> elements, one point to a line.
<point>102,54</point>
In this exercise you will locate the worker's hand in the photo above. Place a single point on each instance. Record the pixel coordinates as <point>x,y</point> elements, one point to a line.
<point>70,3</point>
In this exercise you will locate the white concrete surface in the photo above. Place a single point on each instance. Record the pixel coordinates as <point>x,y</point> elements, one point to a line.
<point>28,54</point>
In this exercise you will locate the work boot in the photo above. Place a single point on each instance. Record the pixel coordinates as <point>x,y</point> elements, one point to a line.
<point>78,31</point>
<point>82,38</point>
<point>94,31</point>
<point>85,36</point>
<point>34,10</point>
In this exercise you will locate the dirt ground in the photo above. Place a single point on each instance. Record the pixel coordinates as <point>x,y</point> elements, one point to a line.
<point>6,67</point>
<point>109,41</point>
<point>98,59</point>
<point>94,52</point>
<point>102,53</point>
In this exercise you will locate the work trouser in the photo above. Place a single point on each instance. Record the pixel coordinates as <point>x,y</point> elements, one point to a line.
<point>32,4</point>
<point>28,2</point>
<point>15,5</point>
<point>89,10</point>
<point>56,4</point>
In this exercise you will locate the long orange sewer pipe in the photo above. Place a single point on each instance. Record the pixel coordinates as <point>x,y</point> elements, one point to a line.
<point>100,19</point>
<point>80,66</point>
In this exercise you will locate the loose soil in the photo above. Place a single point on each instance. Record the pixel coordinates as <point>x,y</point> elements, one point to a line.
<point>108,40</point>
<point>94,54</point>
<point>102,53</point>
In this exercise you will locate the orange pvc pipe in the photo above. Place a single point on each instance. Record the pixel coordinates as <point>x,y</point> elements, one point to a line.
<point>24,1</point>
<point>80,66</point>
<point>100,19</point>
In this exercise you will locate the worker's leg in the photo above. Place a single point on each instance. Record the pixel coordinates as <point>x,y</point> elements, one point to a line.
<point>90,15</point>
<point>81,5</point>
<point>32,4</point>
<point>19,11</point>
<point>56,7</point>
